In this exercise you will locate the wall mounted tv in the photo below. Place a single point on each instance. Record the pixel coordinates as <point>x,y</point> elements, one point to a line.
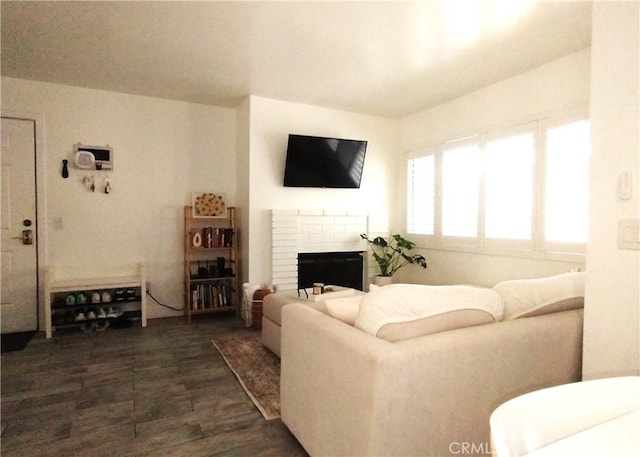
<point>324,162</point>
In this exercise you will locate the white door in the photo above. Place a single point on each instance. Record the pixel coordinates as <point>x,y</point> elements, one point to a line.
<point>19,294</point>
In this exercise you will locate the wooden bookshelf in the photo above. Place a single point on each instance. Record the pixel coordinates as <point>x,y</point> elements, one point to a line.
<point>210,264</point>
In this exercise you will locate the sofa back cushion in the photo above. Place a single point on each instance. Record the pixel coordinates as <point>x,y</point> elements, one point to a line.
<point>344,308</point>
<point>402,311</point>
<point>533,297</point>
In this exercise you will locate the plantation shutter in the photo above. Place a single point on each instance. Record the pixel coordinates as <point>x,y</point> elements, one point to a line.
<point>421,195</point>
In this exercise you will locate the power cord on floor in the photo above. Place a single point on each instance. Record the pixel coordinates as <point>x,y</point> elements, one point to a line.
<point>162,304</point>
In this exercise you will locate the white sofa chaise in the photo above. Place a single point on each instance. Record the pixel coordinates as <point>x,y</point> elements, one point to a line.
<point>345,392</point>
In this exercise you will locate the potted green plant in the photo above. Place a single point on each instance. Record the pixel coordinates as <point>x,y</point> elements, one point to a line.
<point>393,254</point>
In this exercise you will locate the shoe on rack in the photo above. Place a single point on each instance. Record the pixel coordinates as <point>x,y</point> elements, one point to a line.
<point>80,316</point>
<point>100,326</point>
<point>91,314</point>
<point>113,312</point>
<point>87,327</point>
<point>102,314</point>
<point>69,317</point>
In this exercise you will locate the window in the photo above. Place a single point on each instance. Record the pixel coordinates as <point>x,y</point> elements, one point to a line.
<point>421,195</point>
<point>509,184</point>
<point>460,188</point>
<point>523,188</point>
<point>567,183</point>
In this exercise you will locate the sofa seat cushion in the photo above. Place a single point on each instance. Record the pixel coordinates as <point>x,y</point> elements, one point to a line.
<point>532,297</point>
<point>402,311</point>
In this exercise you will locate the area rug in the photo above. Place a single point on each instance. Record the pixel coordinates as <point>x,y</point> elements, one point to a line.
<point>257,370</point>
<point>15,341</point>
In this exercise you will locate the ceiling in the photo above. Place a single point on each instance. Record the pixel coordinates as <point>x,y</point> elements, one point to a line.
<point>388,59</point>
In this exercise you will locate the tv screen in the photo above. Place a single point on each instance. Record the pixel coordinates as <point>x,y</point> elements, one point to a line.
<point>324,162</point>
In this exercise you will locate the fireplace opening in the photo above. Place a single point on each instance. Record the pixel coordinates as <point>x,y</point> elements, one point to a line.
<point>334,268</point>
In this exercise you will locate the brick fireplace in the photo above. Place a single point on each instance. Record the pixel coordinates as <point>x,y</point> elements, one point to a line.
<point>315,231</point>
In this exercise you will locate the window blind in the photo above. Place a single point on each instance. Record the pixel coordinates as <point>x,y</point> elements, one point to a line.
<point>421,195</point>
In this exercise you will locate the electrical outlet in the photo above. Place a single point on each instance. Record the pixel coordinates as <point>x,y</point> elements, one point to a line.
<point>629,234</point>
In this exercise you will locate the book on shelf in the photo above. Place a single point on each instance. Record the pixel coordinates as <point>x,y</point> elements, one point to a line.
<point>210,296</point>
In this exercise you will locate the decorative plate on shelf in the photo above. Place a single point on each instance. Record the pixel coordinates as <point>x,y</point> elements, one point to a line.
<point>208,204</point>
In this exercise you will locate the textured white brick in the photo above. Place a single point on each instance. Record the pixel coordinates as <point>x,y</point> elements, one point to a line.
<point>316,238</point>
<point>291,229</point>
<point>333,228</point>
<point>287,252</point>
<point>285,244</point>
<point>285,272</point>
<point>288,226</point>
<point>356,230</point>
<point>284,228</point>
<point>316,220</point>
<point>284,239</point>
<point>284,212</point>
<point>284,216</point>
<point>312,230</point>
<point>348,235</point>
<point>350,220</point>
<point>329,212</point>
<point>286,262</point>
<point>284,251</point>
<point>310,212</point>
<point>285,284</point>
<point>288,286</point>
<point>309,230</point>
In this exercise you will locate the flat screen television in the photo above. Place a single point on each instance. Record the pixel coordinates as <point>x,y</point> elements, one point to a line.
<point>324,162</point>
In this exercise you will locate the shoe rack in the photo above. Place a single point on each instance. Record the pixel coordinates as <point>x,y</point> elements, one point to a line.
<point>210,263</point>
<point>94,304</point>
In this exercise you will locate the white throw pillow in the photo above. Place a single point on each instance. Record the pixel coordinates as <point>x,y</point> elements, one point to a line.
<point>425,309</point>
<point>532,297</point>
<point>344,308</point>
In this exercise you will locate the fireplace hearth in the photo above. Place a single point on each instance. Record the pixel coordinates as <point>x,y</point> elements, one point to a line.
<point>335,268</point>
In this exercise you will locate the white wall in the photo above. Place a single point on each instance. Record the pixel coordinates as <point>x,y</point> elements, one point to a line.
<point>612,308</point>
<point>270,123</point>
<point>561,84</point>
<point>163,151</point>
<point>242,185</point>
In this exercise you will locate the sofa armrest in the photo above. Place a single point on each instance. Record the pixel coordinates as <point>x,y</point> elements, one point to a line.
<point>344,392</point>
<point>325,365</point>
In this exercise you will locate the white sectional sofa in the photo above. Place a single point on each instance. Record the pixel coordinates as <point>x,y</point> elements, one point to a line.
<point>272,317</point>
<point>345,392</point>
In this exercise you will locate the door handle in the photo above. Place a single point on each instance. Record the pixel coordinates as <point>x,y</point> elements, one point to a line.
<point>27,237</point>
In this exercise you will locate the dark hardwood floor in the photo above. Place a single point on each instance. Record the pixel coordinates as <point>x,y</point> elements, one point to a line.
<point>158,391</point>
